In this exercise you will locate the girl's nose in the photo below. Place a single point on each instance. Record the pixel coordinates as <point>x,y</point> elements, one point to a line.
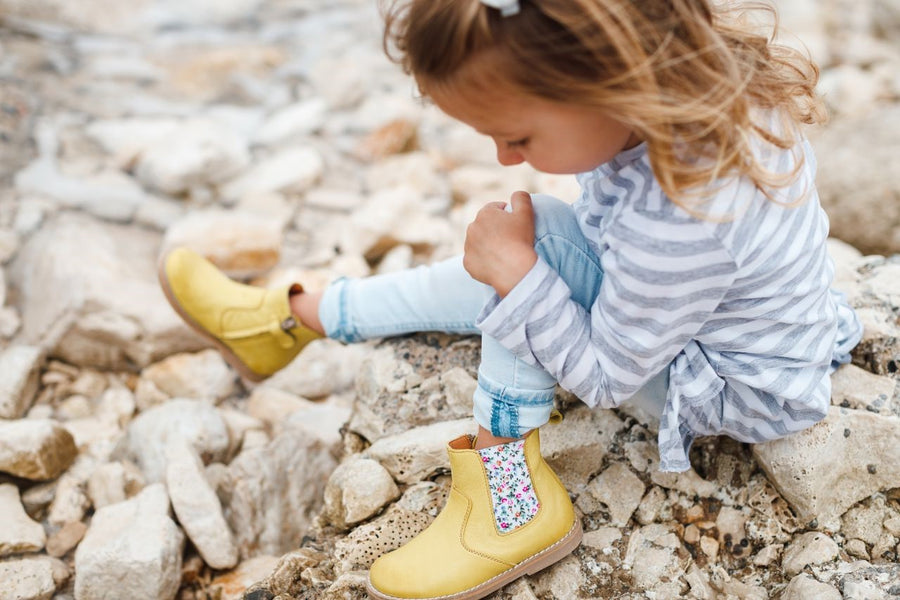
<point>508,156</point>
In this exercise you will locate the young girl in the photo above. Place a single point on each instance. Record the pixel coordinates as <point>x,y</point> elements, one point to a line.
<point>690,277</point>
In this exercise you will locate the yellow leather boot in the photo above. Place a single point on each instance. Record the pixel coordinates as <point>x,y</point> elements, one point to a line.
<point>253,327</point>
<point>507,515</point>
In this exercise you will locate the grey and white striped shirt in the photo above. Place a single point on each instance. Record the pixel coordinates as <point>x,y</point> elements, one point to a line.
<point>736,305</point>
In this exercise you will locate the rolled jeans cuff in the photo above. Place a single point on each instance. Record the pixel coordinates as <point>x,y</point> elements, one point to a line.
<point>333,311</point>
<point>511,412</point>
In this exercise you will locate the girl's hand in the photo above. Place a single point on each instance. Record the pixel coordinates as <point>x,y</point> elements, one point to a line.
<point>499,248</point>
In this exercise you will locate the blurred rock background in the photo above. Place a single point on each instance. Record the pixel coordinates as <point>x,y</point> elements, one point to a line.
<point>275,137</point>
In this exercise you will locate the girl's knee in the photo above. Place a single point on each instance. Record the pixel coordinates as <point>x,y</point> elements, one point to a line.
<point>559,241</point>
<point>552,215</point>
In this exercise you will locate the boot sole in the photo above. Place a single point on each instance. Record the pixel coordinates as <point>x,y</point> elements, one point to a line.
<point>529,566</point>
<point>230,357</point>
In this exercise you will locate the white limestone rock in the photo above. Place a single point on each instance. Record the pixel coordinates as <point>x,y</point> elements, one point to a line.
<point>291,122</point>
<point>357,489</point>
<point>110,195</point>
<point>202,153</point>
<point>102,16</point>
<point>89,325</point>
<point>10,322</point>
<point>652,556</point>
<point>117,404</point>
<point>67,538</point>
<point>70,502</point>
<point>653,503</point>
<point>490,183</point>
<point>565,579</point>
<point>699,582</point>
<point>851,91</point>
<point>240,425</point>
<point>824,470</point>
<point>400,522</point>
<point>858,175</point>
<point>733,588</point>
<point>619,489</point>
<point>602,539</point>
<point>461,144</point>
<point>343,80</point>
<point>293,169</point>
<point>396,259</point>
<point>18,533</point>
<point>400,384</point>
<point>333,199</point>
<point>320,420</point>
<point>19,371</point>
<point>131,550</point>
<point>178,14</point>
<point>159,213</point>
<point>864,521</point>
<point>201,376</point>
<point>35,449</point>
<point>459,388</point>
<point>731,523</point>
<point>575,448</point>
<point>114,482</point>
<point>241,243</point>
<point>413,455</point>
<point>394,216</point>
<point>9,245</point>
<point>27,579</point>
<point>864,590</point>
<point>273,405</point>
<point>804,25</point>
<point>126,139</point>
<point>846,259</point>
<point>197,422</point>
<point>323,421</point>
<point>197,507</point>
<point>233,584</point>
<point>324,368</point>
<point>687,482</point>
<point>852,387</point>
<point>810,548</point>
<point>275,491</point>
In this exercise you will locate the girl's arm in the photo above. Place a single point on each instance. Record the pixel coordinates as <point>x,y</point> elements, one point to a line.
<point>654,298</point>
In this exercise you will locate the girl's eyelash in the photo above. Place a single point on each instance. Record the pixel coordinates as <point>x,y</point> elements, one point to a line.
<point>517,143</point>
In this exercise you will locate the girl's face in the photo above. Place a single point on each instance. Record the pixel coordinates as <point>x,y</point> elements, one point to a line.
<point>553,137</point>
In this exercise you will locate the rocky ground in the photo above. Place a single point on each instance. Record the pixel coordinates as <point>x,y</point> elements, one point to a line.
<point>273,136</point>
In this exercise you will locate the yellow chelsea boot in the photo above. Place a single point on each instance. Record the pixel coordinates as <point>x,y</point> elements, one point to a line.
<point>507,515</point>
<point>253,327</point>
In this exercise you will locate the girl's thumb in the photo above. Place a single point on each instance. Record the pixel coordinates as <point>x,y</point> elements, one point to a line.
<point>520,202</point>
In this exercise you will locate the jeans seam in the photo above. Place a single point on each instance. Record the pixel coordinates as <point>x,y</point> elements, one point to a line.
<point>500,408</point>
<point>384,331</point>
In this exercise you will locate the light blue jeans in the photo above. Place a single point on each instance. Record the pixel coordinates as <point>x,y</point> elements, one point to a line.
<point>512,397</point>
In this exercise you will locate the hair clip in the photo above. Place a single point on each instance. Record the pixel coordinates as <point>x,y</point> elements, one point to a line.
<point>507,8</point>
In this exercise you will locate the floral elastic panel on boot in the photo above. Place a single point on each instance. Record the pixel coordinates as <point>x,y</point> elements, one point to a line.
<point>512,492</point>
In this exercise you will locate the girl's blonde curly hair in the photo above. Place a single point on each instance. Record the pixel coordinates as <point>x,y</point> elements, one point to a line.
<point>688,76</point>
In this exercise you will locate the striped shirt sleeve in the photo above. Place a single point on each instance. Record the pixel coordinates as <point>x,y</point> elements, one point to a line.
<point>662,281</point>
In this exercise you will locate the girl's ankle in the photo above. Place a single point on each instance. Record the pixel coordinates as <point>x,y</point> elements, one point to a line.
<point>305,307</point>
<point>485,439</point>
